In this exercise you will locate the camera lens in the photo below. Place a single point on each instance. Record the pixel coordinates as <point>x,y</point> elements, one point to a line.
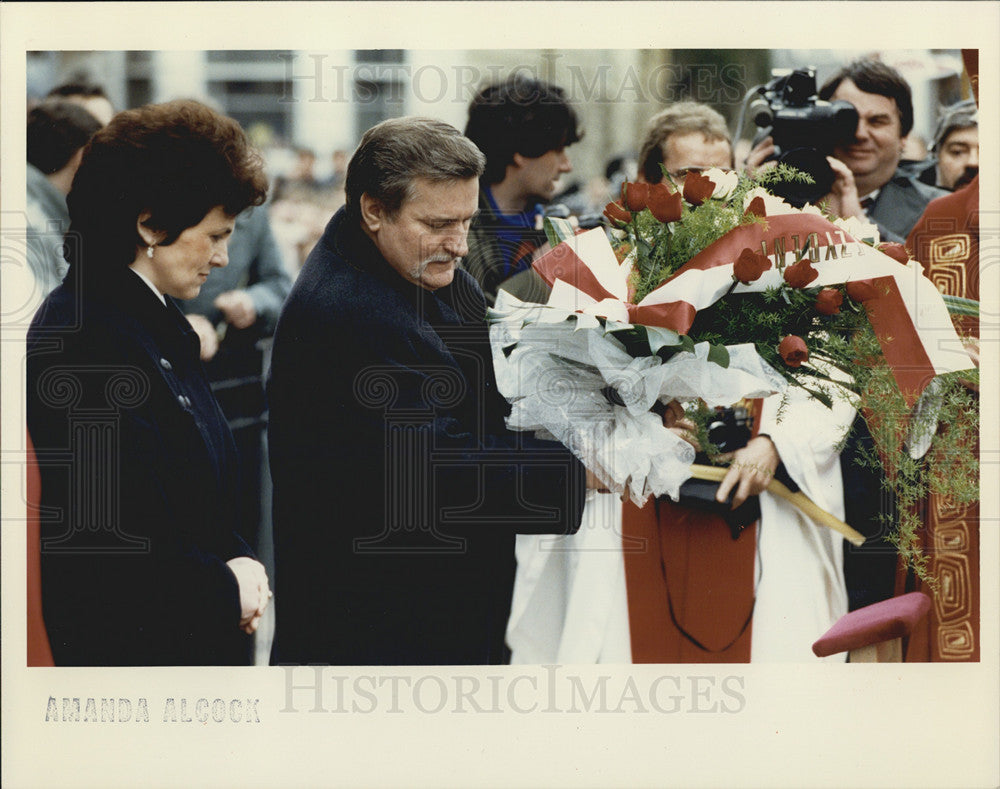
<point>809,161</point>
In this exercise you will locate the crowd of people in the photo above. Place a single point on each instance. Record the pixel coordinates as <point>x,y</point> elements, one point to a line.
<point>410,526</point>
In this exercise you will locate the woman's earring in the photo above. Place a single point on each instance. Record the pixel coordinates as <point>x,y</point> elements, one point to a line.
<point>149,251</point>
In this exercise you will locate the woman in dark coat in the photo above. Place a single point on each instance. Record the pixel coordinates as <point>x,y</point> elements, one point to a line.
<point>141,563</point>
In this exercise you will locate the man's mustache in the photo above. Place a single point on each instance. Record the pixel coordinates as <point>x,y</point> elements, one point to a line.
<point>966,177</point>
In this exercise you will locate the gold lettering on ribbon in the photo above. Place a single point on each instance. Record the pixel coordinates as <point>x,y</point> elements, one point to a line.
<point>779,251</point>
<point>814,247</point>
<point>831,248</point>
<point>844,251</point>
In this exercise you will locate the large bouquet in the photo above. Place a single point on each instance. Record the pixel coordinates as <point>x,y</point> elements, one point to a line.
<point>720,292</point>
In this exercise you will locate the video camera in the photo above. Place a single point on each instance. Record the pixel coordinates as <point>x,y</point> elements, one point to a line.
<point>805,130</point>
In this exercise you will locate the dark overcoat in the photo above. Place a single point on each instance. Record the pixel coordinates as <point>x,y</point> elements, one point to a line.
<point>397,487</point>
<point>139,479</point>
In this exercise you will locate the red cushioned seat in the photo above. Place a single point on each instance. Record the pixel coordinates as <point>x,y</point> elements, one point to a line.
<point>893,618</point>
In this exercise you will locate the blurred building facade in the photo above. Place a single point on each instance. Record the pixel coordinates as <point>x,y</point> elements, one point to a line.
<point>324,100</point>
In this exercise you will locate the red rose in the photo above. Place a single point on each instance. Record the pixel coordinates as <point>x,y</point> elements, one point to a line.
<point>756,207</point>
<point>616,213</point>
<point>801,274</point>
<point>634,195</point>
<point>697,188</point>
<point>828,301</point>
<point>861,290</point>
<point>664,204</point>
<point>793,350</point>
<point>896,251</point>
<point>749,266</point>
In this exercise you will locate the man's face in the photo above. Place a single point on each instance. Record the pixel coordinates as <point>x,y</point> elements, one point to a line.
<point>426,238</point>
<point>694,150</point>
<point>878,143</point>
<point>540,175</point>
<point>958,159</point>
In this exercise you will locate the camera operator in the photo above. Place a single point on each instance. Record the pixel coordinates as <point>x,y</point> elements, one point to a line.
<point>867,180</point>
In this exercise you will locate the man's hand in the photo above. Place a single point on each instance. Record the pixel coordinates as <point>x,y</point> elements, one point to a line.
<point>843,199</point>
<point>758,156</point>
<point>255,593</point>
<point>593,483</point>
<point>675,421</point>
<point>206,335</point>
<point>237,308</point>
<point>750,471</point>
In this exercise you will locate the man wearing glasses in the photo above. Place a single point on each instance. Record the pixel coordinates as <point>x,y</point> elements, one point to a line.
<point>686,136</point>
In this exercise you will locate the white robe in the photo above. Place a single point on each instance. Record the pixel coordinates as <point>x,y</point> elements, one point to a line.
<point>570,603</point>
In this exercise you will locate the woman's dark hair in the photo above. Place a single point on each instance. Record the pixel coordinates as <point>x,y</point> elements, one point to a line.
<point>874,76</point>
<point>520,115</point>
<point>177,161</point>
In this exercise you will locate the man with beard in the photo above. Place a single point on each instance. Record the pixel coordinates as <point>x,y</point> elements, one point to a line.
<point>523,126</point>
<point>397,488</point>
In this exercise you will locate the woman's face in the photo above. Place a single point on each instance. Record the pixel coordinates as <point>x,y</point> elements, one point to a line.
<point>181,268</point>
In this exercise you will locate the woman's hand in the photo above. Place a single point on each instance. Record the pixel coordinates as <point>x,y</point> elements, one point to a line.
<point>255,593</point>
<point>750,471</point>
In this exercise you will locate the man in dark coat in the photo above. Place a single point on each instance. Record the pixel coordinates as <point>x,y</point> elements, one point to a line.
<point>397,488</point>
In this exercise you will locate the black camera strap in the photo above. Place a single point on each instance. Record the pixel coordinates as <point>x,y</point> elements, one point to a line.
<point>747,621</point>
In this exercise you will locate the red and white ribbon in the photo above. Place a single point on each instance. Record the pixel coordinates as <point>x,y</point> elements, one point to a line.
<point>908,315</point>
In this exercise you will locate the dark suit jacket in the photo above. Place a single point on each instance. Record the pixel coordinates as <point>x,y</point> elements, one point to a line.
<point>899,205</point>
<point>138,482</point>
<point>397,488</point>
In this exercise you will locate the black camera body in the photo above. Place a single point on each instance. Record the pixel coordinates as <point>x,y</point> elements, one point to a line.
<point>730,428</point>
<point>805,130</point>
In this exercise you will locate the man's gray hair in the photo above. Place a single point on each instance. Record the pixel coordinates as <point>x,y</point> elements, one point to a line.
<point>963,115</point>
<point>681,118</point>
<point>395,153</point>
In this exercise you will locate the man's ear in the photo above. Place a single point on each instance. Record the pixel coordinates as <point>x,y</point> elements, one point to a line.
<point>519,160</point>
<point>149,236</point>
<point>372,212</point>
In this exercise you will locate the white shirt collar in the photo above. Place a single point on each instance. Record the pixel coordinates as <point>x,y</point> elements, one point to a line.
<point>870,198</point>
<point>152,287</point>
